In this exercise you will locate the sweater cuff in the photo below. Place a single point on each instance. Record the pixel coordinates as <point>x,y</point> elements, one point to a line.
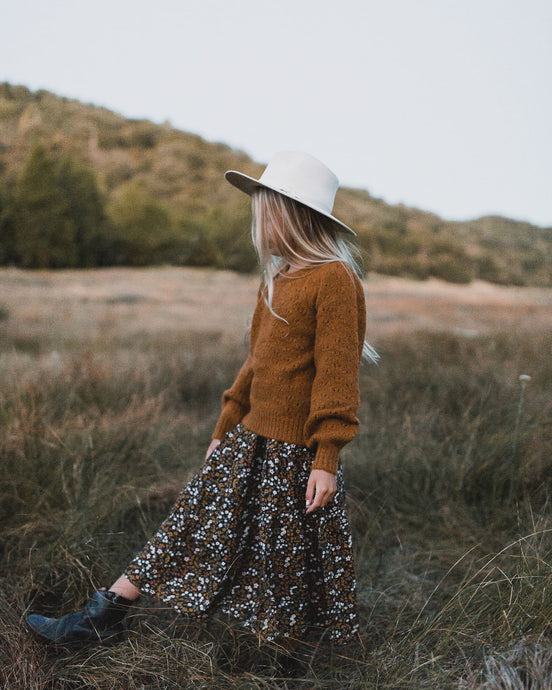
<point>326,458</point>
<point>230,417</point>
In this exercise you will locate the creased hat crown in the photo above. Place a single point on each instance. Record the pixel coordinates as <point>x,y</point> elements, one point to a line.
<point>298,176</point>
<point>303,178</point>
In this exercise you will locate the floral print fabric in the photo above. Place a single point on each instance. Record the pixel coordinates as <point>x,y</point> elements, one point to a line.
<point>238,541</point>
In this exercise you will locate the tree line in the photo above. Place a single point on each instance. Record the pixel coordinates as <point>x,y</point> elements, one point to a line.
<point>54,215</point>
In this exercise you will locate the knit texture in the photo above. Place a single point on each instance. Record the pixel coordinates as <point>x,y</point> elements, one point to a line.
<point>299,383</point>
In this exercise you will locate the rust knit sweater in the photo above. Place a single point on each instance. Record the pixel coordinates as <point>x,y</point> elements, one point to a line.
<point>300,381</point>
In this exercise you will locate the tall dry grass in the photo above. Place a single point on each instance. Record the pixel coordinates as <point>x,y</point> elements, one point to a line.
<point>449,489</point>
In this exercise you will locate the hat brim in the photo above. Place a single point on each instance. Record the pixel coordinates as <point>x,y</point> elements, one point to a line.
<point>250,184</point>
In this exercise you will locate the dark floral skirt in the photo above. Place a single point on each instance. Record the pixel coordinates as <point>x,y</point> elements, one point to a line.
<point>238,541</point>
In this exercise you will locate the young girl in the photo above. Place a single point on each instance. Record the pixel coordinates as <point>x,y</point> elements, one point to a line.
<point>261,532</point>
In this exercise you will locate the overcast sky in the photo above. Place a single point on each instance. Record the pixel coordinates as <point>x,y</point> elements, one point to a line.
<point>445,105</point>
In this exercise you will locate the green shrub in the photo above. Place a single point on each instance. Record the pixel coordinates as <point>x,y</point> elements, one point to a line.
<point>143,134</point>
<point>45,232</point>
<point>408,266</point>
<point>203,251</point>
<point>488,269</point>
<point>141,226</point>
<point>451,269</point>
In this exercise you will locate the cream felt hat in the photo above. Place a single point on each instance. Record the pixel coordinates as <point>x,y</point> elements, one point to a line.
<point>298,176</point>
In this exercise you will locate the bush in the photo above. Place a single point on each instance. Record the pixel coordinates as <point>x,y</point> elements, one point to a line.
<point>488,269</point>
<point>203,251</point>
<point>451,269</point>
<point>55,217</point>
<point>45,233</point>
<point>411,267</point>
<point>142,227</point>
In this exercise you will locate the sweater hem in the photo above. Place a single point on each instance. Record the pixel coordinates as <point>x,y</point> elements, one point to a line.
<point>274,426</point>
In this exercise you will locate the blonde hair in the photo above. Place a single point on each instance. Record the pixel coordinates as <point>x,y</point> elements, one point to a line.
<point>289,235</point>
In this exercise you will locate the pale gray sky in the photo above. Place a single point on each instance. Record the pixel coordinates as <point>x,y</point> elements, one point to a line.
<point>445,105</point>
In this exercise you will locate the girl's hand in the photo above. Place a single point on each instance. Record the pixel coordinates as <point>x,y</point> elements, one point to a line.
<point>214,443</point>
<point>321,489</point>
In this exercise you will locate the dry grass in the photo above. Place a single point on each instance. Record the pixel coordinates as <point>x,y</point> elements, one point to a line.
<point>81,307</point>
<point>109,387</point>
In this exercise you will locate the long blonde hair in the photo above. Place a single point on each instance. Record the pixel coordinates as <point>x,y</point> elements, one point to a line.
<point>299,238</point>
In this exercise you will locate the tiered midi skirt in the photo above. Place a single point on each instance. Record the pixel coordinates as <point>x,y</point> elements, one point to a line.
<point>238,541</point>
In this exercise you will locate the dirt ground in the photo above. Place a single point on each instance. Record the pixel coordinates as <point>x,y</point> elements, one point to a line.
<point>91,304</point>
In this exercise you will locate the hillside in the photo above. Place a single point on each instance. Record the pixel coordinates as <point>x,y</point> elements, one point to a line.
<point>83,186</point>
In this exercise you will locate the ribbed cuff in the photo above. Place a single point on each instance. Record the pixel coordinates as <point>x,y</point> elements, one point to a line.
<point>326,458</point>
<point>227,420</point>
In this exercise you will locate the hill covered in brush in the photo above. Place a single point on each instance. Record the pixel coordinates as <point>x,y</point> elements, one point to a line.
<point>82,186</point>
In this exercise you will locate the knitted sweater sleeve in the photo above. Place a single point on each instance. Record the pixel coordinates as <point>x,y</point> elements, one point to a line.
<point>235,400</point>
<point>339,338</point>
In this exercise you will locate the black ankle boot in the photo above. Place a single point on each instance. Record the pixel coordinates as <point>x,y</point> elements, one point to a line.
<point>99,621</point>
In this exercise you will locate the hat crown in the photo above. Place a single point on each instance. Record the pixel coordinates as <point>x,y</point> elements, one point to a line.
<point>297,176</point>
<point>303,178</point>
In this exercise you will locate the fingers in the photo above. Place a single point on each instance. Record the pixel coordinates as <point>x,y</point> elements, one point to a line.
<point>321,489</point>
<point>214,443</point>
<point>311,487</point>
<point>322,497</point>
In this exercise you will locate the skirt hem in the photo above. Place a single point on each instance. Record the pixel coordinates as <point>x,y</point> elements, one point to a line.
<point>238,541</point>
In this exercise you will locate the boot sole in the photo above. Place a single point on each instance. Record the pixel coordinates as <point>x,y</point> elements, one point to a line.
<point>107,639</point>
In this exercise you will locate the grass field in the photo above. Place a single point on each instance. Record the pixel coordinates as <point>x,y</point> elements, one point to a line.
<point>110,384</point>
